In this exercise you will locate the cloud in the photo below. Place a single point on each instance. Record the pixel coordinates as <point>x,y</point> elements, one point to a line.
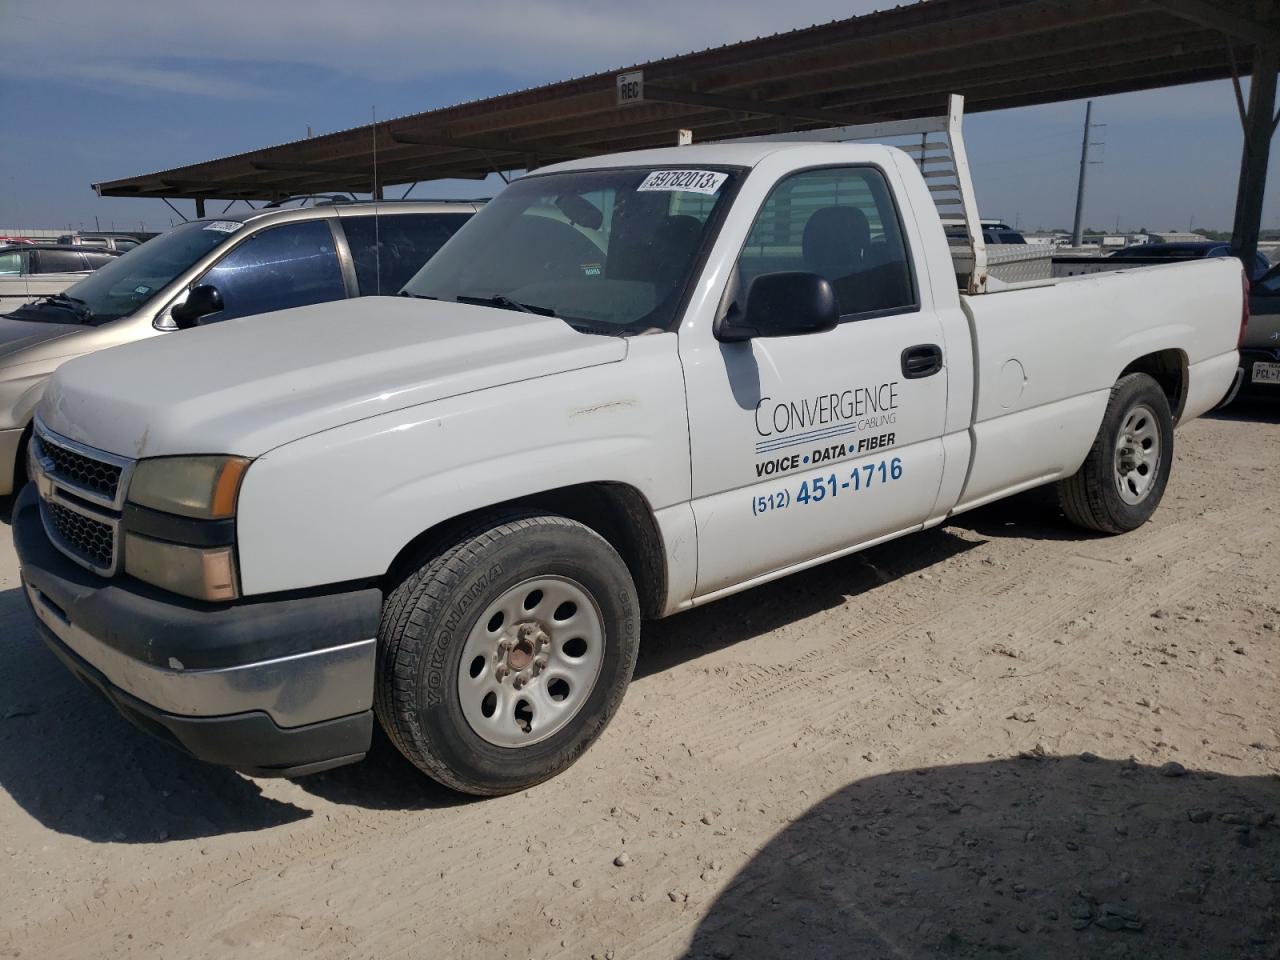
<point>381,40</point>
<point>165,81</point>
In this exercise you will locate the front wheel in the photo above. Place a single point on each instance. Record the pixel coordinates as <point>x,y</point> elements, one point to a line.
<point>1122,480</point>
<point>505,655</point>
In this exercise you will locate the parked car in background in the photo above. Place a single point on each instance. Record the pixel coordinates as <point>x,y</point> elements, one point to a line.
<point>1002,235</point>
<point>205,271</point>
<point>6,241</point>
<point>997,231</point>
<point>28,271</point>
<point>992,233</point>
<point>1260,347</point>
<point>108,241</point>
<point>1188,251</point>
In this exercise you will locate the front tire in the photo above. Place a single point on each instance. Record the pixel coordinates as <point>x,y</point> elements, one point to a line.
<point>1123,479</point>
<point>505,654</point>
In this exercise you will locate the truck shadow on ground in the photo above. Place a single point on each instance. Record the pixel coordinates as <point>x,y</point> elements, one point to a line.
<point>1033,857</point>
<point>71,762</point>
<point>79,768</point>
<point>385,780</point>
<point>1250,410</point>
<point>724,623</point>
<point>1033,515</point>
<point>74,764</point>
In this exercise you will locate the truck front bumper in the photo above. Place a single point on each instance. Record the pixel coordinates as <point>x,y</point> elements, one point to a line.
<point>278,687</point>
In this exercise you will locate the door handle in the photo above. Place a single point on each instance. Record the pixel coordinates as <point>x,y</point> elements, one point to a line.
<point>922,360</point>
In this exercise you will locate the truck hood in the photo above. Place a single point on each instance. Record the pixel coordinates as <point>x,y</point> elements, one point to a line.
<point>19,335</point>
<point>248,385</point>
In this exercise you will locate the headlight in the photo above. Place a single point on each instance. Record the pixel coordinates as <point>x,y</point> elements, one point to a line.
<point>201,487</point>
<point>180,527</point>
<point>201,573</point>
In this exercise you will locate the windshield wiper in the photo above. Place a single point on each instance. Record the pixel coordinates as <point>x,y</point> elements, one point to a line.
<point>73,304</point>
<point>506,303</point>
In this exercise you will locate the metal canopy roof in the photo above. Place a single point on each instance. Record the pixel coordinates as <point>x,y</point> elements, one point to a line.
<point>895,64</point>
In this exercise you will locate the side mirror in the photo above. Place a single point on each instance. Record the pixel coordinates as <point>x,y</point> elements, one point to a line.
<point>783,304</point>
<point>201,301</point>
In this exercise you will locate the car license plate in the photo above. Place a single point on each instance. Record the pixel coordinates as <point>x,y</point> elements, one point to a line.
<point>1266,372</point>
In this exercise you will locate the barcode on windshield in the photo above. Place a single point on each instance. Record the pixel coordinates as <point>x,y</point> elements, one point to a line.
<point>684,181</point>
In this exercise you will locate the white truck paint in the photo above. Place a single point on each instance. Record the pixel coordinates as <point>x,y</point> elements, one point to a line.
<point>371,423</point>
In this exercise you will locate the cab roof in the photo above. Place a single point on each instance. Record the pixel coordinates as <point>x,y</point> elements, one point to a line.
<point>742,154</point>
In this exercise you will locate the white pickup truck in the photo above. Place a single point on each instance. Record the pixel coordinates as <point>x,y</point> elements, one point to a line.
<point>629,386</point>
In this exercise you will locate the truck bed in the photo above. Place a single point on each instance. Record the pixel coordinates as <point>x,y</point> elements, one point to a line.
<point>1039,398</point>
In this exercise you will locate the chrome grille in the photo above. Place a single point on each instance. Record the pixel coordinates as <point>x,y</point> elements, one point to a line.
<point>92,539</point>
<point>82,492</point>
<point>94,475</point>
<point>83,471</point>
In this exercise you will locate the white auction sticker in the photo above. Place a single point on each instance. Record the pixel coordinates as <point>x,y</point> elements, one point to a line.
<point>223,226</point>
<point>685,181</point>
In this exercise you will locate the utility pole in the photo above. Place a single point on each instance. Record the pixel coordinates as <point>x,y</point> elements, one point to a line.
<point>1077,233</point>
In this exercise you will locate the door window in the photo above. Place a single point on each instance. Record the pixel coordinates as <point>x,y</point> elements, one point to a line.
<point>95,260</point>
<point>58,261</point>
<point>11,264</point>
<point>391,250</point>
<point>840,223</point>
<point>287,266</point>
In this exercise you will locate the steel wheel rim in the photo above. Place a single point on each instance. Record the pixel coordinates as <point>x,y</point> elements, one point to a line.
<point>1137,454</point>
<point>529,664</point>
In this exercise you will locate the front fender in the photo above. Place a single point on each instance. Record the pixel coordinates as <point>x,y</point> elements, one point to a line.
<point>21,388</point>
<point>341,505</point>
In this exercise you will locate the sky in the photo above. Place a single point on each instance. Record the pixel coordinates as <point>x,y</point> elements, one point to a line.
<point>96,91</point>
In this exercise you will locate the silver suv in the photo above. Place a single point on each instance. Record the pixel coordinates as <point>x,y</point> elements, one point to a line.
<point>209,270</point>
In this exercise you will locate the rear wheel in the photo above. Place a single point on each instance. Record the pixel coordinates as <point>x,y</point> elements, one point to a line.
<point>1123,479</point>
<point>504,655</point>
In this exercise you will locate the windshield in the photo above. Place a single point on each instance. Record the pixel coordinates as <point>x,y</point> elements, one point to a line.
<point>605,250</point>
<point>130,280</point>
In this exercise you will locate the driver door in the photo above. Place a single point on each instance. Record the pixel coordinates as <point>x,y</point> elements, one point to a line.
<point>805,446</point>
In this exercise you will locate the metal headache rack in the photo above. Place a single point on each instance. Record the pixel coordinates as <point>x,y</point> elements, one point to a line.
<point>937,146</point>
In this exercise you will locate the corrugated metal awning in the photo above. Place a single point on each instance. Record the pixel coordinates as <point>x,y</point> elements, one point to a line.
<point>895,64</point>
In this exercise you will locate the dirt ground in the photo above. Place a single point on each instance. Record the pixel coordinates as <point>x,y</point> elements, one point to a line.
<point>1000,738</point>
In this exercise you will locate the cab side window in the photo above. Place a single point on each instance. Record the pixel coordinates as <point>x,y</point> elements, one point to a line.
<point>11,264</point>
<point>287,266</point>
<point>842,224</point>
